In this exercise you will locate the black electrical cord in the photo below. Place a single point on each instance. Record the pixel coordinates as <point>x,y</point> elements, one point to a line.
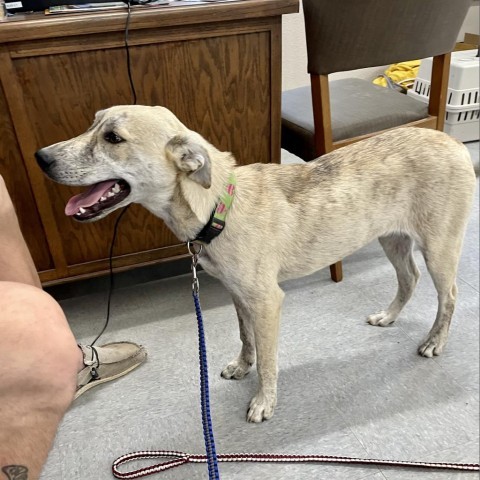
<point>130,78</point>
<point>115,228</point>
<point>111,286</point>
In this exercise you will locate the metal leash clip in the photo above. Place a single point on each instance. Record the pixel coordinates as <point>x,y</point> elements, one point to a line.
<point>194,251</point>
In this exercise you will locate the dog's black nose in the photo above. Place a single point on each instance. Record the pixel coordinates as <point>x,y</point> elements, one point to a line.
<point>44,160</point>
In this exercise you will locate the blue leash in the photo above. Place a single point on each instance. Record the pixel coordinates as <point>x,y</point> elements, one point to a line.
<point>212,461</point>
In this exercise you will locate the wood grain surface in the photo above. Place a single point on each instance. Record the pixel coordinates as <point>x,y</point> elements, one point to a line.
<point>220,76</point>
<point>37,26</point>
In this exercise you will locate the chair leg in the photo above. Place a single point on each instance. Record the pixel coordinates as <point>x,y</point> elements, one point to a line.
<point>336,272</point>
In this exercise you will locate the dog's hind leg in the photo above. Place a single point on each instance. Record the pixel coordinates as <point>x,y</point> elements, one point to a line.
<point>442,265</point>
<point>239,367</point>
<point>398,248</point>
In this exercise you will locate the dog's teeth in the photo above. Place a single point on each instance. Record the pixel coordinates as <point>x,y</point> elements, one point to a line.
<point>82,210</point>
<point>102,199</point>
<point>116,188</point>
<point>110,194</point>
<point>78,213</point>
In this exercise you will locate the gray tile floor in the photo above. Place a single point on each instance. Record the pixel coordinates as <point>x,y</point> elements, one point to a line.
<point>345,388</point>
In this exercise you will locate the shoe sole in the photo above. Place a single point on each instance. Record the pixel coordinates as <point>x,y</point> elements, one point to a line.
<point>94,383</point>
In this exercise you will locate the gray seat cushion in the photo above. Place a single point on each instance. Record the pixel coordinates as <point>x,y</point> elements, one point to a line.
<point>358,107</point>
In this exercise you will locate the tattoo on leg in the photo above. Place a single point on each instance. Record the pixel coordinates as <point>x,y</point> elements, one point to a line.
<point>15,472</point>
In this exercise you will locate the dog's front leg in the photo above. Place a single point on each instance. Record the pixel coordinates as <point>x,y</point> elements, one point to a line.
<point>240,366</point>
<point>266,324</point>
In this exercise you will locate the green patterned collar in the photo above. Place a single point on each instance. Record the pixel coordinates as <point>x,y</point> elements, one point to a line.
<point>216,223</point>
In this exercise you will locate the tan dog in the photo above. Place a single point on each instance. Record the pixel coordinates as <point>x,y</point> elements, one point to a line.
<point>404,186</point>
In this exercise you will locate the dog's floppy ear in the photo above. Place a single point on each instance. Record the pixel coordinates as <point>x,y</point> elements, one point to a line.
<point>192,158</point>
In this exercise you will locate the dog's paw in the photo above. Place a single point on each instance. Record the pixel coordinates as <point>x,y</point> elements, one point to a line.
<point>433,345</point>
<point>261,408</point>
<point>236,370</point>
<point>381,319</point>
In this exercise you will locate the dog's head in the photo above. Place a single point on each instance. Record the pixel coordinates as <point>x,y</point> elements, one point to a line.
<point>131,154</point>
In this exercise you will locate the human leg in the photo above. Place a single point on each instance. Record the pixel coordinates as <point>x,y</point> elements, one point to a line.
<point>41,370</point>
<point>39,362</point>
<point>16,264</point>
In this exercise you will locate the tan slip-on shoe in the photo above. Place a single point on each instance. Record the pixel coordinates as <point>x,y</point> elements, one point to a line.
<point>108,362</point>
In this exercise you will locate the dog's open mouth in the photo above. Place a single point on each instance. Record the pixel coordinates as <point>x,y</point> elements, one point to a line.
<point>97,198</point>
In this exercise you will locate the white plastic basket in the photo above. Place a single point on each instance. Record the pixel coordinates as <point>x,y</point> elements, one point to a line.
<point>462,119</point>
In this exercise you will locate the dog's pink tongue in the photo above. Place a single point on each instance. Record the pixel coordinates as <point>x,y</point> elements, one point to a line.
<point>88,198</point>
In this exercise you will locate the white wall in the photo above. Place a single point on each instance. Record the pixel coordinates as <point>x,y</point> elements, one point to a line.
<point>294,50</point>
<point>472,21</point>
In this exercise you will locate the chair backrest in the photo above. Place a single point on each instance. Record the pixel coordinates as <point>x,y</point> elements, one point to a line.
<point>349,34</point>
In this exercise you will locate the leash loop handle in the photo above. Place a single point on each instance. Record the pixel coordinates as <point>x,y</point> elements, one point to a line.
<point>180,458</point>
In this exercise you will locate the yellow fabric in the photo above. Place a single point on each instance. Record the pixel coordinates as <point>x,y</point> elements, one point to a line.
<point>403,73</point>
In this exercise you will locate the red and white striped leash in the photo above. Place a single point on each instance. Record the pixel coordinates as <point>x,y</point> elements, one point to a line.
<point>180,458</point>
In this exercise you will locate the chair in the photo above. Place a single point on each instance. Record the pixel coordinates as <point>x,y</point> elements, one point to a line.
<point>344,35</point>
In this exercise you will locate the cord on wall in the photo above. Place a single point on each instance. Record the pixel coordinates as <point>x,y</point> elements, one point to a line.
<point>129,66</point>
<point>115,228</point>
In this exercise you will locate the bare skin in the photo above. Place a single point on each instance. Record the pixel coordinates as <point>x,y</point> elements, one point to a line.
<point>39,357</point>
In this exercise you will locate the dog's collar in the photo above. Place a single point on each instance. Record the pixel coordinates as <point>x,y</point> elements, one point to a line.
<point>216,223</point>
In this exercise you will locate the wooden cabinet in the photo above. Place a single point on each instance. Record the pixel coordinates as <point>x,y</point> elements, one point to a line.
<point>217,67</point>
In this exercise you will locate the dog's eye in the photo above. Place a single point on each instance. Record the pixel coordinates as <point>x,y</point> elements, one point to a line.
<point>112,137</point>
